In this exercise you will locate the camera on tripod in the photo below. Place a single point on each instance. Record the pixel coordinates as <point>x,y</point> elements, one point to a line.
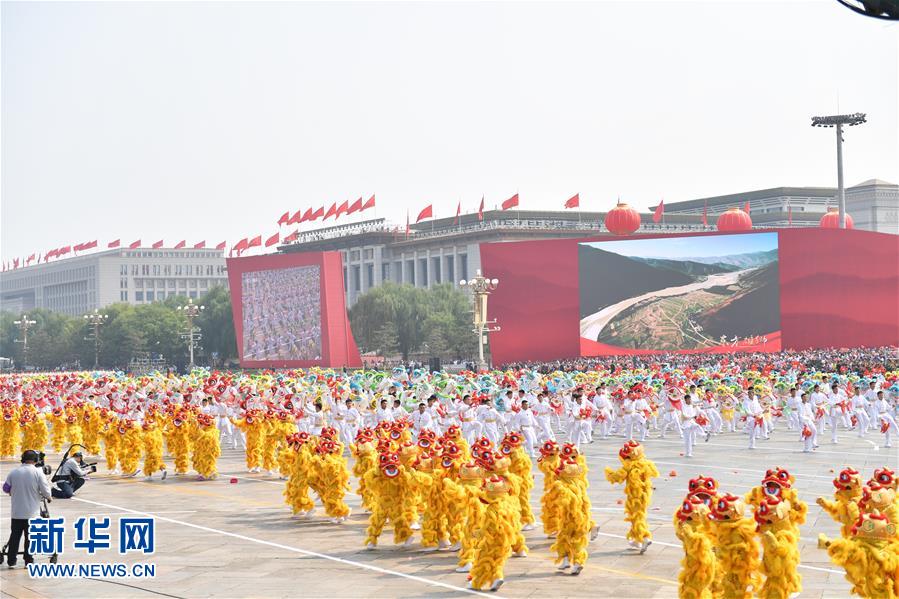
<point>41,456</point>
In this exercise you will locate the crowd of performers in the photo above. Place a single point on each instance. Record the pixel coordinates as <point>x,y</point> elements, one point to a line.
<point>451,457</point>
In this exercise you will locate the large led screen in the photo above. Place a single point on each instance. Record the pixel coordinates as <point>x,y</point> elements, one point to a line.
<point>282,315</point>
<point>704,293</point>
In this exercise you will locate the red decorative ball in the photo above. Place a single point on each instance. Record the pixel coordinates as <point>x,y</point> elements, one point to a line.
<point>622,220</point>
<point>734,219</point>
<point>831,220</point>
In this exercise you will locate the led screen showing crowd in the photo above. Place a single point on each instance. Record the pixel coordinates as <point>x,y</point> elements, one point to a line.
<point>282,314</point>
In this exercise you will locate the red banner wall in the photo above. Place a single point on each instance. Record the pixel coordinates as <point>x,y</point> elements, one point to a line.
<point>338,346</point>
<point>838,288</point>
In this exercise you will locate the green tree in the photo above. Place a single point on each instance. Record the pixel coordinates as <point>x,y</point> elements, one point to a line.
<point>217,324</point>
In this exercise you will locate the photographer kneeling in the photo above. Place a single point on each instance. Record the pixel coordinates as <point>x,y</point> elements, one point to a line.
<point>71,476</point>
<point>26,485</point>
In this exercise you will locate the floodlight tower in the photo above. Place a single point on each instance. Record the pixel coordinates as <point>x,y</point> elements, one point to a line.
<point>838,120</point>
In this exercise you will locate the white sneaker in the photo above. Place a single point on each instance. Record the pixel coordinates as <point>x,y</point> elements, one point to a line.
<point>464,569</point>
<point>594,532</point>
<point>429,549</point>
<point>370,546</point>
<point>334,520</point>
<point>644,546</point>
<point>308,515</point>
<point>521,553</point>
<point>496,584</point>
<point>456,546</point>
<point>443,544</point>
<point>577,569</point>
<point>409,542</point>
<point>165,473</point>
<point>528,527</point>
<point>564,565</point>
<point>415,526</point>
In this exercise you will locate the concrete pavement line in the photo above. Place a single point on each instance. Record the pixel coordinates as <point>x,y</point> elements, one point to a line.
<point>633,574</point>
<point>325,556</point>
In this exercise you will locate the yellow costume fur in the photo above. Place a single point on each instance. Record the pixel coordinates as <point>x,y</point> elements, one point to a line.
<point>568,496</point>
<point>780,542</point>
<point>738,554</point>
<point>153,442</point>
<point>844,508</point>
<point>547,463</point>
<point>389,484</point>
<point>296,492</point>
<point>636,473</point>
<point>699,565</point>
<point>498,535</point>
<point>206,447</point>
<point>870,556</point>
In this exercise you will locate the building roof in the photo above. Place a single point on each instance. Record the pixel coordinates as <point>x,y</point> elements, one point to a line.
<point>738,199</point>
<point>873,182</point>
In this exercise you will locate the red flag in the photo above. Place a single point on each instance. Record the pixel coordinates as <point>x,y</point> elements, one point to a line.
<point>306,216</point>
<point>458,213</point>
<point>64,250</point>
<point>255,242</point>
<point>370,203</point>
<point>705,210</point>
<point>296,218</point>
<point>331,211</point>
<point>240,246</point>
<point>30,259</point>
<point>341,209</point>
<point>660,211</point>
<point>51,254</point>
<point>180,244</point>
<point>114,244</point>
<point>272,240</point>
<point>284,218</point>
<point>221,246</point>
<point>481,209</point>
<point>318,213</point>
<point>77,247</point>
<point>428,212</point>
<point>355,206</point>
<point>134,245</point>
<point>292,237</point>
<point>202,244</point>
<point>511,202</point>
<point>574,201</point>
<point>157,245</point>
<point>15,263</point>
<point>746,208</point>
<point>90,245</point>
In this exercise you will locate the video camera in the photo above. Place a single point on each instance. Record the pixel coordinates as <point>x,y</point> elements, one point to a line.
<point>65,477</point>
<point>40,463</point>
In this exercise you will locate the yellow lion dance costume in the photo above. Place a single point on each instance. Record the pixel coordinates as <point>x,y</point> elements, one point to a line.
<point>389,484</point>
<point>254,427</point>
<point>365,458</point>
<point>880,494</point>
<point>738,554</point>
<point>698,567</point>
<point>206,448</point>
<point>568,496</point>
<point>111,442</point>
<point>296,492</point>
<point>130,447</point>
<point>844,508</point>
<point>466,493</point>
<point>434,526</point>
<point>34,431</point>
<point>178,437</point>
<point>636,473</point>
<point>870,556</point>
<point>523,469</point>
<point>74,434</point>
<point>548,461</point>
<point>153,442</point>
<point>331,479</point>
<point>90,424</point>
<point>779,483</point>
<point>499,531</point>
<point>780,542</point>
<point>58,430</point>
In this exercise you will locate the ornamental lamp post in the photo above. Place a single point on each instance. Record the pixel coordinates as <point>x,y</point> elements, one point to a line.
<point>481,287</point>
<point>191,310</point>
<point>95,320</point>
<point>838,120</point>
<point>24,324</point>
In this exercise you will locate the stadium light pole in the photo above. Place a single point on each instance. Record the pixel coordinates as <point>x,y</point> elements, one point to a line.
<point>481,287</point>
<point>95,320</point>
<point>24,324</point>
<point>838,120</point>
<point>191,310</point>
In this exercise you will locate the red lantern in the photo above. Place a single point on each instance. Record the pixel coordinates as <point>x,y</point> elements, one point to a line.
<point>622,220</point>
<point>734,219</point>
<point>831,220</point>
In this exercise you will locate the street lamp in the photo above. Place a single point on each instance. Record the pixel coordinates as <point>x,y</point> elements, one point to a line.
<point>191,310</point>
<point>24,324</point>
<point>838,120</point>
<point>95,320</point>
<point>481,287</point>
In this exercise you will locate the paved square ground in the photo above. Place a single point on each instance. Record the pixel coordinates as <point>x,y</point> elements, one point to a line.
<point>218,539</point>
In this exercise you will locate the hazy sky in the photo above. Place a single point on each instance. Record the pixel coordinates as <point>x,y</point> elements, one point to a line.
<point>207,120</point>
